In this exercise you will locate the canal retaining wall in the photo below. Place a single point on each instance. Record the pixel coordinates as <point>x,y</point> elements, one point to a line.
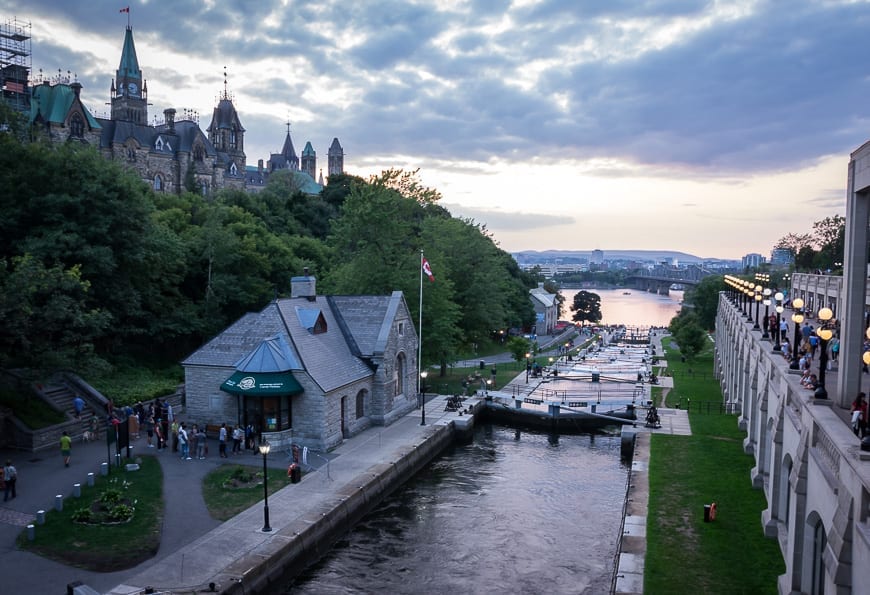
<point>306,540</point>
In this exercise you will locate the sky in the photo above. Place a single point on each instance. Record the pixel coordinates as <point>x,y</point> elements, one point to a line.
<point>712,128</point>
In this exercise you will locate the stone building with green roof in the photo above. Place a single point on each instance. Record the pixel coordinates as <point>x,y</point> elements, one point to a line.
<point>174,154</point>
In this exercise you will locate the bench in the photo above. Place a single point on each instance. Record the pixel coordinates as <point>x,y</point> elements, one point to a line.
<point>214,430</point>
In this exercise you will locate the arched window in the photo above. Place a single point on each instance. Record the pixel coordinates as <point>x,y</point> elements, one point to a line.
<point>400,373</point>
<point>232,139</point>
<point>198,153</point>
<point>233,169</point>
<point>205,188</point>
<point>361,404</point>
<point>158,183</point>
<point>76,126</point>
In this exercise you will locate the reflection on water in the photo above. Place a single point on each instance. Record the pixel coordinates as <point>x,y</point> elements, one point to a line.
<point>638,308</point>
<point>514,512</point>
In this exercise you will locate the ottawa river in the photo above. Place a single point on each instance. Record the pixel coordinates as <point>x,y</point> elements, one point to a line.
<point>512,512</point>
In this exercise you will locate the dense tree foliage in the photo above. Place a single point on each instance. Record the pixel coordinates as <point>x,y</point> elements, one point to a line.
<point>95,266</point>
<point>703,299</point>
<point>688,333</point>
<point>586,307</point>
<point>822,249</point>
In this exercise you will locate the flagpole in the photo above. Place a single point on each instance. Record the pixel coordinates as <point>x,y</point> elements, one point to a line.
<point>420,328</point>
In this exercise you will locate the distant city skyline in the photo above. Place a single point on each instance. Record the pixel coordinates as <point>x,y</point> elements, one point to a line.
<point>714,128</point>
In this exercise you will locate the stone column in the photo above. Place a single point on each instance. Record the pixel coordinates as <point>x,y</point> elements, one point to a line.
<point>854,277</point>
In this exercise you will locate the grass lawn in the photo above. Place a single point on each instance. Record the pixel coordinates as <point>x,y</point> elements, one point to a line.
<point>230,489</point>
<point>685,554</point>
<point>106,548</point>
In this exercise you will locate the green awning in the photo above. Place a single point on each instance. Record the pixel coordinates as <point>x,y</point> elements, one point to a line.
<point>262,384</point>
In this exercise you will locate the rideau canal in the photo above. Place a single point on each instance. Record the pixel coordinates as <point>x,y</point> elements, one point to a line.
<point>512,512</point>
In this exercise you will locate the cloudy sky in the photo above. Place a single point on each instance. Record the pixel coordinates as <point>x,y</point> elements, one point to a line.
<point>713,128</point>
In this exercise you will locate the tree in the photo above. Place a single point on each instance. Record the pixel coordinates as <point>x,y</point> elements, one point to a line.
<point>688,333</point>
<point>830,237</point>
<point>704,299</point>
<point>519,347</point>
<point>586,307</point>
<point>794,242</point>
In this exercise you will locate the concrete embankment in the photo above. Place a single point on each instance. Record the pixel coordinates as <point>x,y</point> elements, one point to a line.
<point>307,539</point>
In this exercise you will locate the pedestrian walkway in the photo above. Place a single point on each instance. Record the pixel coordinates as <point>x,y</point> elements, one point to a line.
<point>194,547</point>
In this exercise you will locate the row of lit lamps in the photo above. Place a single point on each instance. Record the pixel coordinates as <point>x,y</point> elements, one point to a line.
<point>745,291</point>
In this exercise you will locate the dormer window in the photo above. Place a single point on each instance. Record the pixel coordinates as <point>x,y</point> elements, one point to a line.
<point>159,144</point>
<point>233,169</point>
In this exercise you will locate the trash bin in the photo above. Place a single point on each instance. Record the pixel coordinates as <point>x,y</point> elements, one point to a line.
<point>296,474</point>
<point>706,513</point>
<point>482,365</point>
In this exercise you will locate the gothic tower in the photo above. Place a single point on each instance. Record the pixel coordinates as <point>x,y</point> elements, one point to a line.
<point>309,160</point>
<point>289,152</point>
<point>129,91</point>
<point>335,158</point>
<point>226,132</point>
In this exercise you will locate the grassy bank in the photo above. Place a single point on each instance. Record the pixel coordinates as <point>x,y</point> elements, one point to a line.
<point>685,554</point>
<point>230,489</point>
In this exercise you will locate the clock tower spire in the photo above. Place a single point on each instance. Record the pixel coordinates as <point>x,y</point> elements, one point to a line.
<point>129,92</point>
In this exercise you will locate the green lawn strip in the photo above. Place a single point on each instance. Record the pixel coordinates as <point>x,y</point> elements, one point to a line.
<point>106,548</point>
<point>225,500</point>
<point>685,554</point>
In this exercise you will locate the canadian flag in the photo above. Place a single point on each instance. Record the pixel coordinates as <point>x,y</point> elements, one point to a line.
<point>428,270</point>
<point>125,9</point>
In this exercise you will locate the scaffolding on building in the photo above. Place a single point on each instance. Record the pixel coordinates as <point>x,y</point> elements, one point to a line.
<point>15,63</point>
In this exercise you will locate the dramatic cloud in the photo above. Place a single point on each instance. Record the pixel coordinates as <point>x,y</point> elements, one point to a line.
<point>507,106</point>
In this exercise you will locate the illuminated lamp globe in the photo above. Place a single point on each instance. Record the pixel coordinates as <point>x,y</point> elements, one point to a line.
<point>825,334</point>
<point>825,314</point>
<point>866,357</point>
<point>779,296</point>
<point>797,303</point>
<point>797,317</point>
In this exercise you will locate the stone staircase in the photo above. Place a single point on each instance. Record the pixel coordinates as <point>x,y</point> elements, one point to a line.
<point>62,396</point>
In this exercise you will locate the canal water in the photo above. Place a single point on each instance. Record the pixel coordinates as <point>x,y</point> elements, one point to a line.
<point>512,512</point>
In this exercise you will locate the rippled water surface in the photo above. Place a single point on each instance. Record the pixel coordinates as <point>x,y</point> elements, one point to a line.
<point>513,512</point>
<point>632,307</point>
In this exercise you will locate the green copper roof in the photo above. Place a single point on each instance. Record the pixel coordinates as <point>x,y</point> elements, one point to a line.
<point>53,102</point>
<point>308,150</point>
<point>129,68</point>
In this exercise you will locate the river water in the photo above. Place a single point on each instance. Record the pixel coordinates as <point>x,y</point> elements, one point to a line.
<point>512,512</point>
<point>634,308</point>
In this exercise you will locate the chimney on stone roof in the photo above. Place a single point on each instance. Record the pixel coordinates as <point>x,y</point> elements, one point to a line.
<point>304,286</point>
<point>169,117</point>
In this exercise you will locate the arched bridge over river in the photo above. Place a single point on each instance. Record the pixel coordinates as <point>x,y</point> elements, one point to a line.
<point>659,279</point>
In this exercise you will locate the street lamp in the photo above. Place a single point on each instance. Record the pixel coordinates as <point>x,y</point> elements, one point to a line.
<point>264,450</point>
<point>757,297</point>
<point>797,304</point>
<point>824,334</point>
<point>778,297</point>
<point>423,376</point>
<point>766,334</point>
<point>528,366</point>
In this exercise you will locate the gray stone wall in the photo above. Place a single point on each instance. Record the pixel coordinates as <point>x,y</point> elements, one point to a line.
<point>206,403</point>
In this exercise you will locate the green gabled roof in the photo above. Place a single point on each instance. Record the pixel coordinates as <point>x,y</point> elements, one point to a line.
<point>129,68</point>
<point>308,150</point>
<point>52,104</point>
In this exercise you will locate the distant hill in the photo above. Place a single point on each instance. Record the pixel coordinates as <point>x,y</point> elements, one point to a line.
<point>532,256</point>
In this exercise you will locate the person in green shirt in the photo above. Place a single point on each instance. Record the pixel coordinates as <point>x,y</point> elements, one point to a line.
<point>65,447</point>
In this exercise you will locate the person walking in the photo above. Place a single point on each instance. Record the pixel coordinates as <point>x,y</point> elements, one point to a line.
<point>66,448</point>
<point>10,476</point>
<point>238,435</point>
<point>79,406</point>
